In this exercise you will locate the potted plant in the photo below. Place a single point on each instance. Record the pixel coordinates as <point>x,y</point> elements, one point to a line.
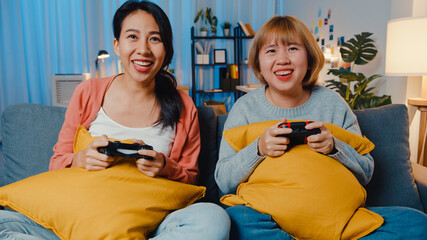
<point>226,28</point>
<point>206,17</point>
<point>203,31</point>
<point>212,20</point>
<point>357,51</point>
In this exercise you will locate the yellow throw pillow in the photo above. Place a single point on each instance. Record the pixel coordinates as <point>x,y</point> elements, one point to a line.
<point>119,202</point>
<point>83,138</point>
<point>310,195</point>
<point>242,136</point>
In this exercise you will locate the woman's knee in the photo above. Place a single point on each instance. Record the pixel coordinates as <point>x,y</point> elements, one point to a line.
<point>247,223</point>
<point>415,220</point>
<point>211,219</point>
<point>400,222</point>
<point>206,221</point>
<point>11,218</point>
<point>212,216</point>
<point>243,214</point>
<point>401,215</point>
<point>14,225</point>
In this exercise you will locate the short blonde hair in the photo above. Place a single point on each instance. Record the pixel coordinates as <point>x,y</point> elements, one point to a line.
<point>285,30</point>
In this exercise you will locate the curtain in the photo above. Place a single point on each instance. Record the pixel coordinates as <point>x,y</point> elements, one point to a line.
<point>39,38</point>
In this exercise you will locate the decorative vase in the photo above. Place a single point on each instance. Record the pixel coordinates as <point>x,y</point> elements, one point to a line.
<point>226,32</point>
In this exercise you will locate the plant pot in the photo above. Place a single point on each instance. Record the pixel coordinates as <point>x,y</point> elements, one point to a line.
<point>203,33</point>
<point>226,32</point>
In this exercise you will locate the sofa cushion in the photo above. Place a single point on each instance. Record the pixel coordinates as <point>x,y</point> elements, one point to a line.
<point>310,195</point>
<point>392,183</point>
<point>29,132</point>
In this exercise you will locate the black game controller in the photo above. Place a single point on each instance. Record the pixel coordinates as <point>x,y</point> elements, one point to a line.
<point>127,150</point>
<point>299,133</point>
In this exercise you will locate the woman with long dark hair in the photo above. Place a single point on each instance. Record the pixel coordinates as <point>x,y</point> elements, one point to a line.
<point>142,104</point>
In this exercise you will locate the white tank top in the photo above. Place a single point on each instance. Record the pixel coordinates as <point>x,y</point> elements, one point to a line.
<point>160,140</point>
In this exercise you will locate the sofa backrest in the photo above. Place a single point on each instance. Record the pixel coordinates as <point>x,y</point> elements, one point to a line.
<point>392,183</point>
<point>208,152</point>
<point>29,132</point>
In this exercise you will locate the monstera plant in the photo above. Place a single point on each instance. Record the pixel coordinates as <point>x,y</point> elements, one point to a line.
<point>353,86</point>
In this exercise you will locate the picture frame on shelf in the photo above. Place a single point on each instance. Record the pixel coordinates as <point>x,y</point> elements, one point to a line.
<point>220,56</point>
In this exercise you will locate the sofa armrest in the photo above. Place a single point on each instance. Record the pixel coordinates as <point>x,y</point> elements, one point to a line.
<point>420,175</point>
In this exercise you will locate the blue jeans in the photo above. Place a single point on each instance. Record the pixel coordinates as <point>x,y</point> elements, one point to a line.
<point>198,221</point>
<point>14,226</point>
<point>399,223</point>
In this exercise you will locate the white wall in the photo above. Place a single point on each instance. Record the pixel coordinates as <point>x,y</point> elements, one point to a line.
<point>350,18</point>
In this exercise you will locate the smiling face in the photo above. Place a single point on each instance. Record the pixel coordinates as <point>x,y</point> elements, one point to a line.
<point>283,65</point>
<point>284,31</point>
<point>140,47</point>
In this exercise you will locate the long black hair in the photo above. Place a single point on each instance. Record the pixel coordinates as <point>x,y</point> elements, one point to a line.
<point>166,93</point>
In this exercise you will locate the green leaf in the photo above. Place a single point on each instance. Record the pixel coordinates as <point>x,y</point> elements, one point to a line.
<point>359,50</point>
<point>208,15</point>
<point>350,76</point>
<point>214,21</point>
<point>337,86</point>
<point>372,101</point>
<point>370,45</point>
<point>360,77</point>
<point>199,13</point>
<point>375,76</point>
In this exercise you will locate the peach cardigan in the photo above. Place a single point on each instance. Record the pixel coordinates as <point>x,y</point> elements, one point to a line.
<point>85,103</point>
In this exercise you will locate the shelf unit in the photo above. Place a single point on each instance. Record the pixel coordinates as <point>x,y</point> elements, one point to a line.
<point>237,52</point>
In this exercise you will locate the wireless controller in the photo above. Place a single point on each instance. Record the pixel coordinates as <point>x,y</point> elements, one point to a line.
<point>126,150</point>
<point>299,133</point>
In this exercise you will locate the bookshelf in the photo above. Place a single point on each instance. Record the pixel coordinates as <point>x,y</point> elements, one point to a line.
<point>202,86</point>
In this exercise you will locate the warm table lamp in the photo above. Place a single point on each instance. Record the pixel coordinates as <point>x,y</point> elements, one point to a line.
<point>406,55</point>
<point>101,55</point>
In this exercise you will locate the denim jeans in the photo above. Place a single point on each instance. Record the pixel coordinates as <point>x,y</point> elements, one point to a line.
<point>14,226</point>
<point>198,221</point>
<point>399,223</point>
<point>247,224</point>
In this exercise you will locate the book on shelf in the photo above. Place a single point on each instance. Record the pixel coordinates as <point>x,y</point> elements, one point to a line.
<point>214,90</point>
<point>250,29</point>
<point>244,29</point>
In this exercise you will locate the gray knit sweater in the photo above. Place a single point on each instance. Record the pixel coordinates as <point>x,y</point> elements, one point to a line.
<point>323,105</point>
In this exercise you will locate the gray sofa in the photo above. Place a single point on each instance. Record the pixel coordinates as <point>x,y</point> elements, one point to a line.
<point>29,131</point>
